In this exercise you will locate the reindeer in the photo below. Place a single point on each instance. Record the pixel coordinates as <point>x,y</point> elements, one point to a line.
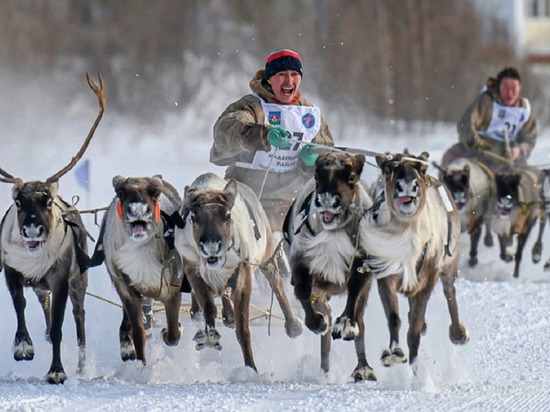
<point>322,229</point>
<point>136,242</point>
<point>515,209</point>
<point>223,237</point>
<point>411,234</point>
<point>43,245</point>
<point>471,184</point>
<point>544,193</point>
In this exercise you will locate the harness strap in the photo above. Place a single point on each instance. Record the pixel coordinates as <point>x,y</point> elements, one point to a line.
<point>257,233</point>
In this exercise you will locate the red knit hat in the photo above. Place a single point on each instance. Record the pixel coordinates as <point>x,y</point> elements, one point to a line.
<point>282,59</point>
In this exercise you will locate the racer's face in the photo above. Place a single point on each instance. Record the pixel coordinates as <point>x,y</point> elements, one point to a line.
<point>509,90</point>
<point>285,85</point>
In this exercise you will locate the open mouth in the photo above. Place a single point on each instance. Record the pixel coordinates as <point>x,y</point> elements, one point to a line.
<point>139,229</point>
<point>400,201</point>
<point>33,245</point>
<point>210,260</point>
<point>287,91</point>
<point>328,217</point>
<point>503,212</point>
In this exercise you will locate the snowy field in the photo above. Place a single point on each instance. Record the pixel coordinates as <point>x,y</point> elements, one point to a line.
<point>503,367</point>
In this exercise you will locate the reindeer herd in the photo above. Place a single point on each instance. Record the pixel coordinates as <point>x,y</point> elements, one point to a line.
<point>340,235</point>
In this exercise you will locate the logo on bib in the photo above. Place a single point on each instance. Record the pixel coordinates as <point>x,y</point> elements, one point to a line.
<point>308,120</point>
<point>274,118</point>
<point>501,113</point>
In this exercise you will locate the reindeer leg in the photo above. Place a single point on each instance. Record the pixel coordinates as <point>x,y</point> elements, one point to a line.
<point>417,313</point>
<point>77,293</point>
<point>127,347</point>
<point>228,312</point>
<point>346,325</point>
<point>387,289</point>
<point>147,315</point>
<point>209,336</point>
<point>362,371</point>
<point>522,239</point>
<point>536,252</point>
<point>293,326</point>
<point>241,298</point>
<point>172,333</point>
<point>475,235</point>
<point>488,239</point>
<point>326,342</point>
<point>503,244</point>
<point>302,282</point>
<point>458,333</point>
<point>195,310</point>
<point>60,291</point>
<point>43,295</point>
<point>132,307</point>
<point>23,348</point>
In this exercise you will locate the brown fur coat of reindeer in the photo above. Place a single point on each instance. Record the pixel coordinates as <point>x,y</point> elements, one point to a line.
<point>141,260</point>
<point>411,235</point>
<point>224,237</point>
<point>43,245</point>
<point>514,210</point>
<point>471,184</point>
<point>322,227</point>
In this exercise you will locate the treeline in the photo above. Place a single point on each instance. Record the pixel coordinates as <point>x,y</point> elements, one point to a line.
<point>396,59</point>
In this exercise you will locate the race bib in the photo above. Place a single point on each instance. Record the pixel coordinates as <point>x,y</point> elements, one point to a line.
<point>303,123</point>
<point>506,119</point>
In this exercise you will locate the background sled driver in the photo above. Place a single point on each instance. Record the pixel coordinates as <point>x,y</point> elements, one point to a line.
<point>499,121</point>
<point>249,135</point>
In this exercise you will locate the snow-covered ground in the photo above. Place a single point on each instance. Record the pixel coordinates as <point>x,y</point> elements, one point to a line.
<point>504,366</point>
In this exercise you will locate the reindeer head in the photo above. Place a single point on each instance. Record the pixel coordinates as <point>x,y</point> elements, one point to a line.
<point>405,182</point>
<point>336,175</point>
<point>506,193</point>
<point>37,215</point>
<point>458,183</point>
<point>138,205</point>
<point>210,214</point>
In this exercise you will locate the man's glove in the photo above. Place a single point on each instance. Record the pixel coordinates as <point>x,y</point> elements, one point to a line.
<point>254,137</point>
<point>479,143</point>
<point>278,137</point>
<point>307,157</point>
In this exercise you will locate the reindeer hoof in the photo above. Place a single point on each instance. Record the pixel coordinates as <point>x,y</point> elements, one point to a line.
<point>127,351</point>
<point>293,328</point>
<point>363,373</point>
<point>507,257</point>
<point>207,338</point>
<point>172,340</point>
<point>318,324</point>
<point>23,351</point>
<point>55,378</point>
<point>547,266</point>
<point>461,337</point>
<point>472,262</point>
<point>391,358</point>
<point>344,328</point>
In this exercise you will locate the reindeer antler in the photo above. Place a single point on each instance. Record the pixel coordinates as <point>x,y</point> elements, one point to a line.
<point>9,178</point>
<point>99,90</point>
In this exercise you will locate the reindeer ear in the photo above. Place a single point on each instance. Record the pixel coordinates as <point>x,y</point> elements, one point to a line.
<point>359,163</point>
<point>189,191</point>
<point>155,187</point>
<point>118,180</point>
<point>231,190</point>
